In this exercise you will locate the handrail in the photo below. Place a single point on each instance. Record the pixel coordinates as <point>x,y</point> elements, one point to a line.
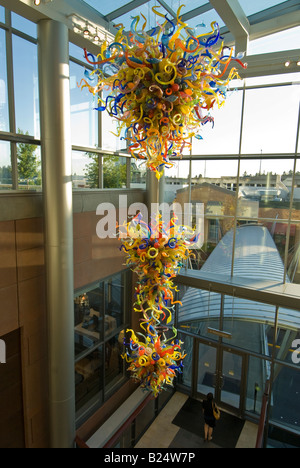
<point>110,443</point>
<point>263,416</point>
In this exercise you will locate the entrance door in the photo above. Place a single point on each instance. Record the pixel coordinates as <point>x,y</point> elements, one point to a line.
<point>221,371</point>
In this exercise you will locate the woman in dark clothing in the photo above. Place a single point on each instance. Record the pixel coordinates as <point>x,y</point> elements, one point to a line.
<point>209,419</point>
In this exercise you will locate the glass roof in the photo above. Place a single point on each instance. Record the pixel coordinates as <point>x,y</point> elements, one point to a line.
<point>105,7</point>
<point>255,6</point>
<point>112,6</point>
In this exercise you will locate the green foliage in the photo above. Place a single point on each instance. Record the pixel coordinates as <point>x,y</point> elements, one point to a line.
<point>28,164</point>
<point>114,172</point>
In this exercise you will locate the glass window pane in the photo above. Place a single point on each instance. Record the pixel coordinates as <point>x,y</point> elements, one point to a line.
<point>89,383</point>
<point>288,336</point>
<point>5,166</point>
<point>114,172</point>
<point>256,6</point>
<point>146,10</point>
<point>29,167</point>
<point>2,14</point>
<point>281,41</point>
<point>273,79</point>
<point>264,129</point>
<point>76,52</point>
<point>110,139</point>
<point>200,309</point>
<point>114,364</point>
<point>285,407</point>
<point>105,7</point>
<point>293,264</point>
<point>85,170</point>
<point>4,118</point>
<point>89,312</point>
<point>24,25</point>
<point>266,186</point>
<point>224,136</point>
<point>256,254</point>
<point>84,118</point>
<point>114,300</point>
<point>26,87</point>
<point>138,174</point>
<point>258,373</point>
<point>248,322</point>
<point>176,180</point>
<point>205,21</point>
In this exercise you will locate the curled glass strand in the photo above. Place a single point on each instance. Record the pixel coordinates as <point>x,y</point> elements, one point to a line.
<point>166,73</point>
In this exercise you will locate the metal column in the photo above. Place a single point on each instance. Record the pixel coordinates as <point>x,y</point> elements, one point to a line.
<point>155,189</point>
<point>53,40</point>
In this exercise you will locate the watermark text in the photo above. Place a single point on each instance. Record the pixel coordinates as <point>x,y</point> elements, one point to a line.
<point>2,352</point>
<point>296,353</point>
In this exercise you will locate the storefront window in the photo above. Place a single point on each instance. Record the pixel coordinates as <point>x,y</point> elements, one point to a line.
<point>100,315</point>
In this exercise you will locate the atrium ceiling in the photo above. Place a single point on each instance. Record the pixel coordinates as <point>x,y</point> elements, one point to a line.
<point>241,21</point>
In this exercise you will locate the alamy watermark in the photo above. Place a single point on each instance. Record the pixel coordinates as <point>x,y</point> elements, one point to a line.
<point>2,352</point>
<point>191,216</point>
<point>296,353</point>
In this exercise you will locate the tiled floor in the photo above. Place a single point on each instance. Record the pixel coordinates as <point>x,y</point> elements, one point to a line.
<point>163,433</point>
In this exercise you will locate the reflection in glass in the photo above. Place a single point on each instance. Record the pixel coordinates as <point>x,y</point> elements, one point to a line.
<point>110,140</point>
<point>258,374</point>
<point>113,361</point>
<point>285,402</point>
<point>288,334</point>
<point>85,170</point>
<point>138,174</point>
<point>206,369</point>
<point>89,314</point>
<point>26,87</point>
<point>5,166</point>
<point>84,118</point>
<point>293,264</point>
<point>4,120</point>
<point>99,312</point>
<point>89,383</point>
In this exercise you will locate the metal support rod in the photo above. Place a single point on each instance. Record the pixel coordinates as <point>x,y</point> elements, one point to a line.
<point>155,191</point>
<point>55,106</point>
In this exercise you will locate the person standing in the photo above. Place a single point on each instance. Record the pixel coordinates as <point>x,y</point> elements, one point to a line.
<point>209,418</point>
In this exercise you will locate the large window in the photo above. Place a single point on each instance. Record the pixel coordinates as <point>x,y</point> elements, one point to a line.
<point>20,152</point>
<point>245,171</point>
<point>102,313</point>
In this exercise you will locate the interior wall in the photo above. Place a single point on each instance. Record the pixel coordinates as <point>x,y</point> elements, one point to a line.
<point>23,296</point>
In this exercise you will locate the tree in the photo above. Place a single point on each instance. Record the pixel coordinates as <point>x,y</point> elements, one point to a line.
<point>28,164</point>
<point>114,172</point>
<point>5,175</point>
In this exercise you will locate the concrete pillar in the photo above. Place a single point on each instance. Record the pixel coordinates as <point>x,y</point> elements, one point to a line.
<point>53,40</point>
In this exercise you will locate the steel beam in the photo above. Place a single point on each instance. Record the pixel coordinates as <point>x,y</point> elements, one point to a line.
<point>235,19</point>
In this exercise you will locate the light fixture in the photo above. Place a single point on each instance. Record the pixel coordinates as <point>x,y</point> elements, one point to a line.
<point>86,32</point>
<point>39,2</point>
<point>298,63</point>
<point>97,38</point>
<point>287,63</point>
